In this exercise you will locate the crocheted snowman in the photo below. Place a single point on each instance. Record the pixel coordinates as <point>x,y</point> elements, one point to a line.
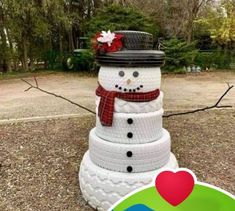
<point>128,145</point>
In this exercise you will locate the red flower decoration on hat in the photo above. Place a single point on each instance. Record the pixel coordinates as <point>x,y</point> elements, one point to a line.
<point>108,42</point>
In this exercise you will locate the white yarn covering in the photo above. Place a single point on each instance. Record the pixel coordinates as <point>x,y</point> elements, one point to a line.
<point>102,188</point>
<point>149,78</point>
<point>140,157</point>
<point>146,127</point>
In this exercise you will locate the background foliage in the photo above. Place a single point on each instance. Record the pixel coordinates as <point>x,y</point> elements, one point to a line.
<point>41,32</point>
<point>116,17</point>
<point>179,53</point>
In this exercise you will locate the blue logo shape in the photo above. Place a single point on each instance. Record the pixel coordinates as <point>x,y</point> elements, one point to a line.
<point>139,207</point>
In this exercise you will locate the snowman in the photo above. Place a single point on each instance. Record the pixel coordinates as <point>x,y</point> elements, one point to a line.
<point>128,145</point>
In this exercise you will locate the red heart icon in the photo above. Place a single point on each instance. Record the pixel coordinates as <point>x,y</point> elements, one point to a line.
<point>174,187</point>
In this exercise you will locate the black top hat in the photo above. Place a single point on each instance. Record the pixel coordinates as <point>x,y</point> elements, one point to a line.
<point>137,51</point>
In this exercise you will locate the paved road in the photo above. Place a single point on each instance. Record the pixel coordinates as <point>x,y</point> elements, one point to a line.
<point>181,92</point>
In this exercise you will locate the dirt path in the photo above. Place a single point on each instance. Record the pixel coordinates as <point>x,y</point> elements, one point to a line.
<point>39,161</point>
<point>181,92</point>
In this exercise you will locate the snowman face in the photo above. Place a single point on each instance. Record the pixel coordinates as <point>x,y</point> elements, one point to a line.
<point>130,79</point>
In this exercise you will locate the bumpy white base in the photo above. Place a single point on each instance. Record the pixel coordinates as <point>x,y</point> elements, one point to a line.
<point>102,188</point>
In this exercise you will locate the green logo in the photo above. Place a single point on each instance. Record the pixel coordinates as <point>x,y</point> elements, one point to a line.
<point>202,197</point>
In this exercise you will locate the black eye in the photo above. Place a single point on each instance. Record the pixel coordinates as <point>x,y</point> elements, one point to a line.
<point>135,74</point>
<point>121,73</point>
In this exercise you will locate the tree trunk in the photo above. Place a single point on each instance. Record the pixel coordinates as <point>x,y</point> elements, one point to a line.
<point>61,44</point>
<point>71,42</point>
<point>97,4</point>
<point>189,32</point>
<point>89,8</point>
<point>5,49</point>
<point>25,54</point>
<point>11,51</point>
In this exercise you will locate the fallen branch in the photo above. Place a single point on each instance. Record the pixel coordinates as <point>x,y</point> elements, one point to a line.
<point>216,105</point>
<point>31,86</point>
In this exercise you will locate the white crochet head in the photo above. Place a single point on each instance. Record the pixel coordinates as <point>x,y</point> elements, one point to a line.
<point>130,79</point>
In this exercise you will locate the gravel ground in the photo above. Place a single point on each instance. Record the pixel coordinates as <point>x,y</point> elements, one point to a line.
<point>39,161</point>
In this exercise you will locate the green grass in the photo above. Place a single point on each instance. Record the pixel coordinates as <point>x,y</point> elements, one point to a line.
<point>23,74</point>
<point>182,71</point>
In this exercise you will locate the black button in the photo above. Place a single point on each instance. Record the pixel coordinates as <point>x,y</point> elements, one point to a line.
<point>129,169</point>
<point>129,135</point>
<point>129,154</point>
<point>130,121</point>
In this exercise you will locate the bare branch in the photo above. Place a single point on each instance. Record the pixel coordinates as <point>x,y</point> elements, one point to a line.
<point>36,82</point>
<point>26,82</point>
<point>216,105</point>
<point>28,89</point>
<point>219,100</point>
<point>31,86</point>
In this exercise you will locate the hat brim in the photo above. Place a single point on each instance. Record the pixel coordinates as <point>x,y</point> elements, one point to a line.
<point>132,58</point>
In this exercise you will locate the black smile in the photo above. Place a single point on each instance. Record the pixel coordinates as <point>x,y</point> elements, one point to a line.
<point>129,90</point>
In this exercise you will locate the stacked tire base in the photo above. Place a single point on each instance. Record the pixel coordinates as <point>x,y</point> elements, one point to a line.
<point>145,127</point>
<point>139,157</point>
<point>102,188</point>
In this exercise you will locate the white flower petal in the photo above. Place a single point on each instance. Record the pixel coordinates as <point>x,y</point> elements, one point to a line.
<point>107,37</point>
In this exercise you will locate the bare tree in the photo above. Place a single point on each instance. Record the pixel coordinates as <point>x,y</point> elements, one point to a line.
<point>193,8</point>
<point>174,17</point>
<point>149,7</point>
<point>121,2</point>
<point>4,40</point>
